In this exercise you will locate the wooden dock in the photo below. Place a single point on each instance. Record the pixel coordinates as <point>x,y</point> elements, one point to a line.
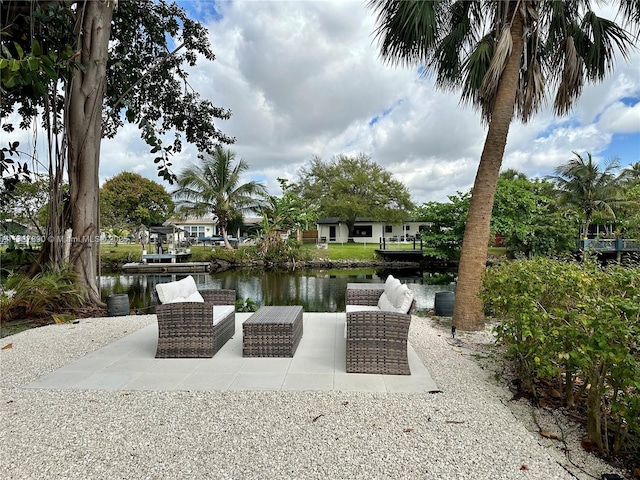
<point>401,255</point>
<point>184,267</point>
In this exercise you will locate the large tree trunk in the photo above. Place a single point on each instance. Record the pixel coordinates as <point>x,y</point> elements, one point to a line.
<point>468,311</point>
<point>84,134</point>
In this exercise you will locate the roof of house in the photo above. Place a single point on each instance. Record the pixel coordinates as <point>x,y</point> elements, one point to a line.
<point>190,221</point>
<point>164,230</point>
<point>328,220</point>
<point>332,220</point>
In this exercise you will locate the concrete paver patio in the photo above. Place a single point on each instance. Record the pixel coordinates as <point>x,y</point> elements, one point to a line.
<point>319,364</point>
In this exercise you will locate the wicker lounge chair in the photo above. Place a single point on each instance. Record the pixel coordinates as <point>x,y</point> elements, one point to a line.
<point>195,328</point>
<point>376,339</point>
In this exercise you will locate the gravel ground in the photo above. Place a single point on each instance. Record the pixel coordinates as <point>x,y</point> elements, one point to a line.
<point>470,430</point>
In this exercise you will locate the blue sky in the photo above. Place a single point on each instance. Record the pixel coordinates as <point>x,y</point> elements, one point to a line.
<point>303,78</point>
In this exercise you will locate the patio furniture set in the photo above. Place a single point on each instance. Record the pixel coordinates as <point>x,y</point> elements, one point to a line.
<point>194,323</point>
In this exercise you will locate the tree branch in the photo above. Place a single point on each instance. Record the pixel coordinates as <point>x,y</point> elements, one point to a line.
<point>151,70</point>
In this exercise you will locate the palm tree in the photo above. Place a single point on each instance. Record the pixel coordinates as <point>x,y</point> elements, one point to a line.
<point>503,55</point>
<point>582,184</point>
<point>214,187</point>
<point>630,176</point>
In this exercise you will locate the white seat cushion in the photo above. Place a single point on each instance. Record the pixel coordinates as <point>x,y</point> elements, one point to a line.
<point>184,290</point>
<point>220,312</point>
<point>361,308</point>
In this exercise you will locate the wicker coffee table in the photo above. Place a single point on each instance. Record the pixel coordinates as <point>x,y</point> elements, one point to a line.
<point>272,332</point>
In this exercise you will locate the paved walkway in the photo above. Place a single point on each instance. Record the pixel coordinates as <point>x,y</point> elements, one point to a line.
<point>318,365</point>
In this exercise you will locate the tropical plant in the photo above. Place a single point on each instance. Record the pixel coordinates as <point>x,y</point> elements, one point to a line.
<point>247,305</point>
<point>628,211</point>
<point>583,185</point>
<point>504,56</point>
<point>298,213</point>
<point>215,187</point>
<point>577,324</point>
<point>38,297</point>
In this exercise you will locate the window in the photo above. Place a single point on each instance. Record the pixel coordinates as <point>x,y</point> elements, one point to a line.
<point>363,231</point>
<point>388,229</point>
<point>196,231</point>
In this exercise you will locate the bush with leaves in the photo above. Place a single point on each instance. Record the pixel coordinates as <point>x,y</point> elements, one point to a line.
<point>40,297</point>
<point>247,305</point>
<point>579,324</point>
<point>273,250</point>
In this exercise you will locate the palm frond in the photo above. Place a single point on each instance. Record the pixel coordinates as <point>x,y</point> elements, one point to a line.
<point>630,11</point>
<point>406,31</point>
<point>499,60</point>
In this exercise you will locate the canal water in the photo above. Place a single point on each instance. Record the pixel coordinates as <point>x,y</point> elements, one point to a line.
<point>316,290</point>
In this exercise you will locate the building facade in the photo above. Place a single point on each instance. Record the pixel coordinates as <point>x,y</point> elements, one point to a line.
<point>333,230</point>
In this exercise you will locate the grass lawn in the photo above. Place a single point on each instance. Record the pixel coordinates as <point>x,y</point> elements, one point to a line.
<point>126,252</point>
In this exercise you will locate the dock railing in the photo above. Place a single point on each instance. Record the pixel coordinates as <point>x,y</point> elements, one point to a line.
<point>609,244</point>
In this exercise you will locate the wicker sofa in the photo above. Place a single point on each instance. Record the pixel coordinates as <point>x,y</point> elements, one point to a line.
<point>193,323</point>
<point>378,320</point>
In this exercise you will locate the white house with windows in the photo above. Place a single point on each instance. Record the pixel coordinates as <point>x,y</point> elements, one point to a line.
<point>207,227</point>
<point>333,230</point>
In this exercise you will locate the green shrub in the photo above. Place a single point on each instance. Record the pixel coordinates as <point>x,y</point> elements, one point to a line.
<point>580,324</point>
<point>247,305</point>
<point>40,297</point>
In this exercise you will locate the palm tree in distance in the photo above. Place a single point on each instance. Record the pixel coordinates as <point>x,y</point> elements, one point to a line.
<point>582,184</point>
<point>630,176</point>
<point>214,187</point>
<point>504,56</point>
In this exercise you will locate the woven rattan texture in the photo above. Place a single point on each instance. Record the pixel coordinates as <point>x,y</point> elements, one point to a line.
<point>376,340</point>
<point>186,330</point>
<point>272,332</point>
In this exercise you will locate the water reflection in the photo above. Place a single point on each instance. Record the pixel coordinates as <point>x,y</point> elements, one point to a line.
<point>315,290</point>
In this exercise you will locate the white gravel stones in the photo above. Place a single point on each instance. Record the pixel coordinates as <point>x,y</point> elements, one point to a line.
<point>468,431</point>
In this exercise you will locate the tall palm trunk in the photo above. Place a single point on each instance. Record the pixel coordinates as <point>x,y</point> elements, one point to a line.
<point>84,134</point>
<point>468,311</point>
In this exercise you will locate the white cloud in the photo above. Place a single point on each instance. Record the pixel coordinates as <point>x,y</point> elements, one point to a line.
<point>304,78</point>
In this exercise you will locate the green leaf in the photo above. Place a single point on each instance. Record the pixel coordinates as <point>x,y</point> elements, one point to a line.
<point>33,63</point>
<point>19,50</point>
<point>36,48</point>
<point>51,73</point>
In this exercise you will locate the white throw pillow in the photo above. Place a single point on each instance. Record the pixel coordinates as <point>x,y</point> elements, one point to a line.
<point>390,279</point>
<point>384,304</point>
<point>184,290</point>
<point>390,288</point>
<point>404,299</point>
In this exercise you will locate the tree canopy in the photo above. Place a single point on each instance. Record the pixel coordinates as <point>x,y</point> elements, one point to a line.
<point>129,200</point>
<point>525,213</point>
<point>445,225</point>
<point>352,187</point>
